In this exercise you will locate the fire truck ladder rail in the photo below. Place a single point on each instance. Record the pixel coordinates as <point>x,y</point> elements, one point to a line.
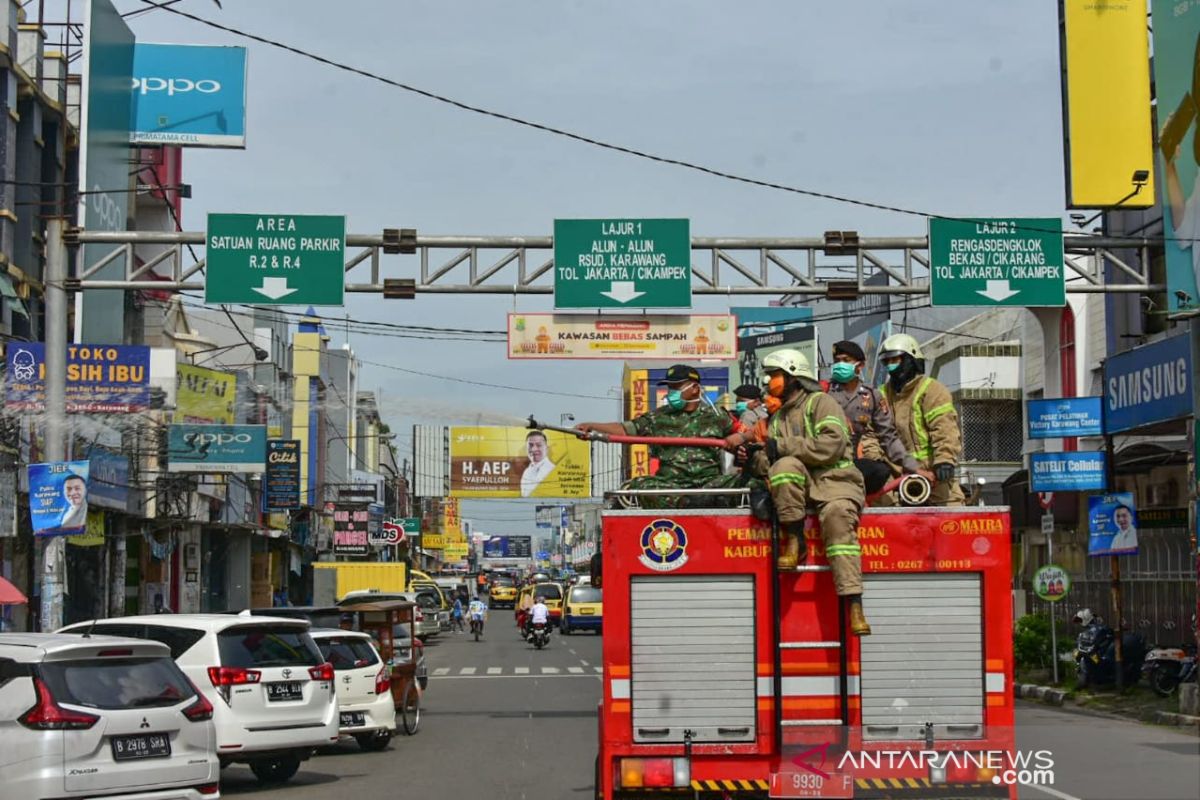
<point>841,646</point>
<point>809,645</point>
<point>811,723</point>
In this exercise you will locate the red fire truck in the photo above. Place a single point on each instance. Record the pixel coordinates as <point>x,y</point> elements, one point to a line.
<point>725,678</point>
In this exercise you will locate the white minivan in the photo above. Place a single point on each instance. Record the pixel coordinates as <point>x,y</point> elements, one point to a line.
<point>366,709</point>
<point>88,716</point>
<point>271,690</point>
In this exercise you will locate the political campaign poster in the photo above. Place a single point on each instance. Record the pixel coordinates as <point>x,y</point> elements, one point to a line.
<point>58,497</point>
<point>1112,525</point>
<point>517,462</point>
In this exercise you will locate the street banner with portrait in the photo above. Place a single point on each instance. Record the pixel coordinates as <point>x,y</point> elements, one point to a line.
<point>1177,89</point>
<point>517,462</point>
<point>1112,525</point>
<point>58,493</point>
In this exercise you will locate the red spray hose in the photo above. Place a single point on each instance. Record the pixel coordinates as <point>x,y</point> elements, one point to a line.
<point>615,438</point>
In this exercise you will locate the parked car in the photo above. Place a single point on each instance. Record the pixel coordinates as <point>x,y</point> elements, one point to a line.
<point>444,601</point>
<point>101,715</point>
<point>583,610</point>
<point>317,616</point>
<point>406,650</point>
<point>366,710</point>
<point>272,692</point>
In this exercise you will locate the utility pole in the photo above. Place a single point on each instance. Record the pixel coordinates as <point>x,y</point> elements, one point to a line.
<point>54,547</point>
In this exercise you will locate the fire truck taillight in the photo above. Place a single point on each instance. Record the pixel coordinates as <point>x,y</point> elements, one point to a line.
<point>655,773</point>
<point>961,770</point>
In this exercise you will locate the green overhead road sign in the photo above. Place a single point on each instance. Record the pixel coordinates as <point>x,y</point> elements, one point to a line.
<point>996,262</point>
<point>275,259</point>
<point>622,263</point>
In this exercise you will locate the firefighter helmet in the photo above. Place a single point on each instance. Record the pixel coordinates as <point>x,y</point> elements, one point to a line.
<point>899,344</point>
<point>793,362</point>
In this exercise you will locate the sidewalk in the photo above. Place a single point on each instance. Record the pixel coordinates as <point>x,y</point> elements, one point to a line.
<point>1136,703</point>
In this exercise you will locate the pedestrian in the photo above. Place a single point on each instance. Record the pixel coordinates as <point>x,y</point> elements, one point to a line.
<point>806,459</point>
<point>456,615</point>
<point>687,413</point>
<point>925,418</point>
<point>873,438</point>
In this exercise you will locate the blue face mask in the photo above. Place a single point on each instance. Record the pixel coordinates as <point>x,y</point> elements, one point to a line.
<point>842,372</point>
<point>893,367</point>
<point>741,407</point>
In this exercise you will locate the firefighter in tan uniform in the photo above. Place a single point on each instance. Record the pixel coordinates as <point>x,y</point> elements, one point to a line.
<point>806,460</point>
<point>925,418</point>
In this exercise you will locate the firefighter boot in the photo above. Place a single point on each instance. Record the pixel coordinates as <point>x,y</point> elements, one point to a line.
<point>793,549</point>
<point>858,621</point>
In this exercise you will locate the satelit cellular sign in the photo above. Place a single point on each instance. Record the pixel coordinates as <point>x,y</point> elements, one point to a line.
<point>217,448</point>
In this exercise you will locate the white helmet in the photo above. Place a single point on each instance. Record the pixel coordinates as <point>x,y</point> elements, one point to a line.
<point>899,344</point>
<point>793,362</point>
<point>1084,617</point>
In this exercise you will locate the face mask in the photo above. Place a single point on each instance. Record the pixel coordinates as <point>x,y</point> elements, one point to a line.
<point>776,385</point>
<point>843,372</point>
<point>675,400</point>
<point>772,404</point>
<point>741,407</point>
<point>893,367</point>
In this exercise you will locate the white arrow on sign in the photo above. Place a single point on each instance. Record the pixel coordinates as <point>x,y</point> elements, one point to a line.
<point>623,291</point>
<point>998,290</point>
<point>274,288</point>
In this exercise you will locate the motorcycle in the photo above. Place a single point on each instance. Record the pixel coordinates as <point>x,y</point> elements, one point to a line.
<point>477,628</point>
<point>1167,667</point>
<point>539,634</point>
<point>1096,653</point>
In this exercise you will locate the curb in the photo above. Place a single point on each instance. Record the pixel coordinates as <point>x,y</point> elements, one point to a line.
<point>1181,720</point>
<point>1045,694</point>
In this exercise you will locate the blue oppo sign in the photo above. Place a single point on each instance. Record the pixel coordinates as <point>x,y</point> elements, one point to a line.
<point>1067,472</point>
<point>1066,417</point>
<point>187,94</point>
<point>1148,384</point>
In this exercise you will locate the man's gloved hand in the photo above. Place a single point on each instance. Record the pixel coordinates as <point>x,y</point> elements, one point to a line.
<point>943,472</point>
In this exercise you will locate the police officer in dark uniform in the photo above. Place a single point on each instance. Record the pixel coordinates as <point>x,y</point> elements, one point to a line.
<point>872,431</point>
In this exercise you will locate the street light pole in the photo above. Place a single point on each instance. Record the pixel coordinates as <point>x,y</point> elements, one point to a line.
<point>54,547</point>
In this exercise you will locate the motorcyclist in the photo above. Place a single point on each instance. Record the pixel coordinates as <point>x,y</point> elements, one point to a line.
<point>477,613</point>
<point>539,612</point>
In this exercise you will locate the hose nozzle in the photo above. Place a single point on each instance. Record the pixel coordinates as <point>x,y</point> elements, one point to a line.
<point>914,490</point>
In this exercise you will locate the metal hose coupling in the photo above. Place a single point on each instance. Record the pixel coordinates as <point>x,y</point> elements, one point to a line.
<point>915,490</point>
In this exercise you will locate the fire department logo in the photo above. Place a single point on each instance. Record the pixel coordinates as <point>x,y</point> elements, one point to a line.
<point>664,545</point>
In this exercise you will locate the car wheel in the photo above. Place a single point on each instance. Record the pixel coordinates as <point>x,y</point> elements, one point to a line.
<point>275,770</point>
<point>410,710</point>
<point>374,742</point>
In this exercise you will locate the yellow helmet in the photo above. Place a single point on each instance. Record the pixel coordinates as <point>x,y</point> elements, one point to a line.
<point>900,343</point>
<point>793,362</point>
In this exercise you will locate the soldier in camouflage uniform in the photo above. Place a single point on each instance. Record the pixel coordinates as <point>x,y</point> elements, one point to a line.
<point>686,414</point>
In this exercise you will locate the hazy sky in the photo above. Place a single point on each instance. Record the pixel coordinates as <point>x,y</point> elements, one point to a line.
<point>948,106</point>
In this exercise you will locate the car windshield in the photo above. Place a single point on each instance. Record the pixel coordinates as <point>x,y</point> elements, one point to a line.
<point>585,594</point>
<point>503,581</point>
<point>549,591</point>
<point>348,652</point>
<point>427,600</point>
<point>267,646</point>
<point>117,683</point>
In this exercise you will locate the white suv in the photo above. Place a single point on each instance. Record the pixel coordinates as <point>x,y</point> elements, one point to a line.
<point>271,690</point>
<point>366,709</point>
<point>98,715</point>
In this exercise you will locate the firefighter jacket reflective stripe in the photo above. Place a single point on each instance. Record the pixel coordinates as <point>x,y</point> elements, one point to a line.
<point>926,421</point>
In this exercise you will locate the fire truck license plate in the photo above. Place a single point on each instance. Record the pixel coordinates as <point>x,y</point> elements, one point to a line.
<point>809,784</point>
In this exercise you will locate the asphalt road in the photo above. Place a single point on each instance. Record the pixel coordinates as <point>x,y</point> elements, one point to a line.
<point>500,720</point>
<point>504,721</point>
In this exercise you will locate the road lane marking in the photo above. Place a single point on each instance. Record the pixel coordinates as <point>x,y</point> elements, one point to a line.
<point>522,670</point>
<point>572,652</point>
<point>495,670</point>
<point>586,664</point>
<point>1051,792</point>
<point>467,671</point>
<point>550,670</point>
<point>442,671</point>
<point>575,670</point>
<point>598,669</point>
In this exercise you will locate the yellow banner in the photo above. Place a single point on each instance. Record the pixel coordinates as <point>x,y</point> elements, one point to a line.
<point>451,521</point>
<point>659,336</point>
<point>637,394</point>
<point>454,552</point>
<point>517,462</point>
<point>433,541</point>
<point>1106,93</point>
<point>205,395</point>
<point>93,535</point>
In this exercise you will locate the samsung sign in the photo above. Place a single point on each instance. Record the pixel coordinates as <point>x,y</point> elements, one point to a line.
<point>1148,384</point>
<point>189,95</point>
